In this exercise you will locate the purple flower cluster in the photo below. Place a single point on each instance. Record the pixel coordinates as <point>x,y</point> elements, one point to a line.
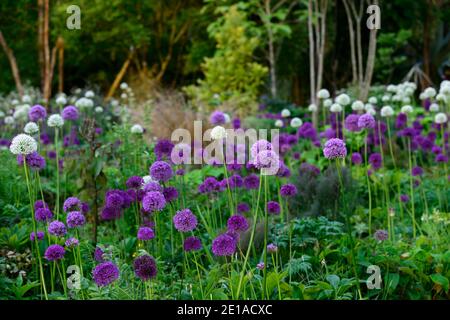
<point>75,219</point>
<point>71,204</point>
<point>185,220</point>
<point>192,244</point>
<point>57,228</point>
<point>43,214</point>
<point>70,113</point>
<point>224,245</point>
<point>71,242</point>
<point>54,252</point>
<point>366,121</point>
<point>251,181</point>
<point>145,234</point>
<point>163,149</point>
<point>33,160</point>
<point>161,171</point>
<point>40,236</point>
<point>135,182</point>
<point>335,149</point>
<point>273,207</point>
<point>153,201</point>
<point>217,118</point>
<point>105,273</point>
<point>243,207</point>
<point>237,223</point>
<point>351,123</point>
<point>288,190</point>
<point>37,113</point>
<point>145,267</point>
<point>170,193</point>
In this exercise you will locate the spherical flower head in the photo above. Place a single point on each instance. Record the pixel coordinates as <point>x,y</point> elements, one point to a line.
<point>185,220</point>
<point>323,94</point>
<point>288,190</point>
<point>61,100</point>
<point>40,236</point>
<point>267,160</point>
<point>441,158</point>
<point>434,107</point>
<point>152,186</point>
<point>406,109</point>
<point>416,171</point>
<point>260,145</point>
<point>99,254</point>
<point>373,100</point>
<point>224,245</point>
<point>440,118</point>
<point>57,228</point>
<point>170,193</point>
<point>217,118</point>
<point>237,223</point>
<point>387,111</point>
<point>375,160</point>
<point>135,182</point>
<point>23,144</point>
<point>105,273</point>
<point>357,105</point>
<point>72,243</point>
<point>235,181</point>
<point>192,244</point>
<point>251,181</point>
<point>243,207</point>
<point>43,215</point>
<point>31,128</point>
<point>272,248</point>
<point>71,204</point>
<point>335,149</point>
<point>34,160</point>
<point>351,123</point>
<point>54,252</point>
<point>356,158</point>
<point>145,234</point>
<point>285,113</point>
<point>279,123</point>
<point>430,92</point>
<point>70,113</point>
<point>37,113</point>
<point>55,121</point>
<point>153,201</point>
<point>260,266</point>
<point>312,108</point>
<point>343,99</point>
<point>366,121</point>
<point>137,129</point>
<point>218,133</point>
<point>273,207</point>
<point>381,235</point>
<point>161,171</point>
<point>40,204</point>
<point>404,198</point>
<point>75,219</point>
<point>163,148</point>
<point>296,122</point>
<point>145,267</point>
<point>327,103</point>
<point>336,108</point>
<point>180,172</point>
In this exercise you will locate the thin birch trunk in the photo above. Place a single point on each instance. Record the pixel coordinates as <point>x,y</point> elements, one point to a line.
<point>13,63</point>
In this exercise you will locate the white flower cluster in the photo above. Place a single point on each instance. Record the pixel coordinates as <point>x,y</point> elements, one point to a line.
<point>23,144</point>
<point>323,94</point>
<point>296,122</point>
<point>137,129</point>
<point>55,121</point>
<point>31,128</point>
<point>21,112</point>
<point>61,99</point>
<point>218,132</point>
<point>440,118</point>
<point>285,113</point>
<point>387,111</point>
<point>84,103</point>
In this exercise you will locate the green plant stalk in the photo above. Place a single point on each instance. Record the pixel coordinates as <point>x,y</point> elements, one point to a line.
<point>266,230</point>
<point>368,185</point>
<point>411,189</point>
<point>390,143</point>
<point>57,174</point>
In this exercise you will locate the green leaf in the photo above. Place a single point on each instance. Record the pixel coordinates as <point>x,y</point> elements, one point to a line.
<point>440,280</point>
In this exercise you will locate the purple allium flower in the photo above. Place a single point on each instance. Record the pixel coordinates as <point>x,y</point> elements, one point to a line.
<point>54,252</point>
<point>404,198</point>
<point>179,172</point>
<point>251,181</point>
<point>436,150</point>
<point>266,159</point>
<point>71,204</point>
<point>185,220</point>
<point>161,171</point>
<point>260,146</point>
<point>236,123</point>
<point>84,207</point>
<point>307,131</point>
<point>110,213</point>
<point>375,160</point>
<point>351,123</point>
<point>98,254</point>
<point>145,267</point>
<point>260,266</point>
<point>153,201</point>
<point>381,235</point>
<point>272,248</point>
<point>309,169</point>
<point>192,244</point>
<point>114,199</point>
<point>235,181</point>
<point>416,171</point>
<point>237,223</point>
<point>134,182</point>
<point>75,219</point>
<point>209,185</point>
<point>51,154</point>
<point>273,207</point>
<point>163,148</point>
<point>356,158</point>
<point>217,117</point>
<point>243,207</point>
<point>37,113</point>
<point>441,158</point>
<point>145,233</point>
<point>40,236</point>
<point>43,215</point>
<point>283,170</point>
<point>170,193</point>
<point>45,139</point>
<point>57,228</point>
<point>288,190</point>
<point>34,160</point>
<point>366,121</point>
<point>70,113</point>
<point>335,149</point>
<point>105,273</point>
<point>224,245</point>
<point>72,242</point>
<point>401,121</point>
<point>152,186</point>
<point>40,204</point>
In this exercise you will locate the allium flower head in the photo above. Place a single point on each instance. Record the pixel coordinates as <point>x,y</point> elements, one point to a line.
<point>336,108</point>
<point>224,245</point>
<point>267,160</point>
<point>192,244</point>
<point>145,233</point>
<point>335,149</point>
<point>70,113</point>
<point>145,267</point>
<point>273,207</point>
<point>99,255</point>
<point>357,105</point>
<point>237,223</point>
<point>185,220</point>
<point>404,198</point>
<point>161,171</point>
<point>217,118</point>
<point>243,207</point>
<point>375,160</point>
<point>296,122</point>
<point>34,160</point>
<point>37,113</point>
<point>163,148</point>
<point>57,228</point>
<point>54,252</point>
<point>218,133</point>
<point>105,273</point>
<point>72,242</point>
<point>272,248</point>
<point>285,113</point>
<point>71,204</point>
<point>323,94</point>
<point>260,265</point>
<point>440,118</point>
<point>135,182</point>
<point>152,186</point>
<point>407,109</point>
<point>260,145</point>
<point>23,144</point>
<point>279,123</point>
<point>137,129</point>
<point>40,236</point>
<point>75,219</point>
<point>356,158</point>
<point>366,121</point>
<point>170,193</point>
<point>153,201</point>
<point>251,181</point>
<point>343,99</point>
<point>381,235</point>
<point>351,123</point>
<point>288,190</point>
<point>55,121</point>
<point>31,128</point>
<point>43,215</point>
<point>416,171</point>
<point>387,111</point>
<point>312,108</point>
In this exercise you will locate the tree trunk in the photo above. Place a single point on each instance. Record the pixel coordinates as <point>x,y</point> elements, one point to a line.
<point>427,41</point>
<point>61,65</point>
<point>47,77</point>
<point>120,75</point>
<point>321,53</point>
<point>13,63</point>
<point>312,76</point>
<point>273,80</point>
<point>351,32</point>
<point>40,42</point>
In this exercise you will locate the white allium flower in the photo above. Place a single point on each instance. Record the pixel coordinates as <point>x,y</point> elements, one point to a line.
<point>84,103</point>
<point>397,97</point>
<point>327,103</point>
<point>123,86</point>
<point>279,123</point>
<point>26,99</point>
<point>216,96</point>
<point>312,107</point>
<point>114,103</point>
<point>123,96</point>
<point>445,89</point>
<point>430,92</point>
<point>434,107</point>
<point>386,98</point>
<point>373,100</point>
<point>31,128</point>
<point>387,111</point>
<point>409,91</point>
<point>323,94</point>
<point>406,100</point>
<point>407,109</point>
<point>61,100</point>
<point>368,106</point>
<point>343,99</point>
<point>357,105</point>
<point>285,113</point>
<point>148,179</point>
<point>55,121</point>
<point>15,102</point>
<point>335,108</point>
<point>422,96</point>
<point>296,122</point>
<point>441,97</point>
<point>89,94</point>
<point>227,118</point>
<point>98,109</point>
<point>137,129</point>
<point>9,120</point>
<point>371,111</point>
<point>2,114</point>
<point>218,132</point>
<point>77,91</point>
<point>440,118</point>
<point>23,144</point>
<point>391,88</point>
